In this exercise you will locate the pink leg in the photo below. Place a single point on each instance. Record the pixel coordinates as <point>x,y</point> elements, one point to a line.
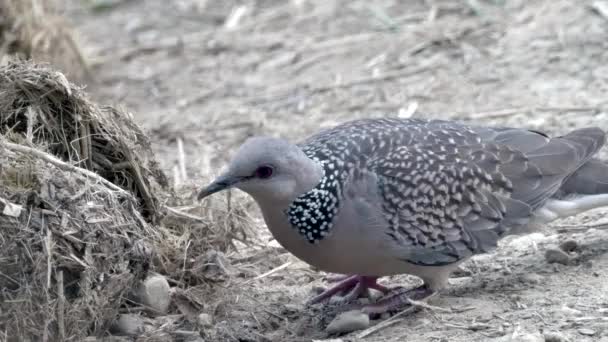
<point>355,286</point>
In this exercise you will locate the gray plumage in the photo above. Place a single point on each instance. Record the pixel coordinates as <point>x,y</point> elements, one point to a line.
<point>448,190</point>
<point>376,197</point>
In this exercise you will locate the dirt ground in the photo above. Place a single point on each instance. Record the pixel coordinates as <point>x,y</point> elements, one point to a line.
<point>212,73</point>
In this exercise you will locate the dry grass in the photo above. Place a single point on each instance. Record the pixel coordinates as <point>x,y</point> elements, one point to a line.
<point>71,255</point>
<point>82,187</point>
<point>84,212</point>
<point>39,106</point>
<point>33,29</point>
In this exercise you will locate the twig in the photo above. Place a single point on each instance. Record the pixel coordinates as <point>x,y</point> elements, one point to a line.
<point>570,228</point>
<point>181,159</point>
<point>388,322</point>
<point>264,275</point>
<point>601,8</point>
<point>177,180</point>
<point>424,305</point>
<point>60,306</point>
<point>63,165</point>
<point>48,247</point>
<point>182,214</point>
<point>233,20</point>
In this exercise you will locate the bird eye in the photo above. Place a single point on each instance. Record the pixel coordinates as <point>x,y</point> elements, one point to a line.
<point>264,172</point>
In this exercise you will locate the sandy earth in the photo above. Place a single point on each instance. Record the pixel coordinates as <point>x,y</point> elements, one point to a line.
<point>288,68</point>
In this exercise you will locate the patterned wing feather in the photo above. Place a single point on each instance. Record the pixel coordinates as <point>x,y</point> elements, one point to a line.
<point>449,190</point>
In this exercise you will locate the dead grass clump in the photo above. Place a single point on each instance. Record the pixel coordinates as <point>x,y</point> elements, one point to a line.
<point>32,29</point>
<point>199,237</point>
<point>81,218</point>
<point>69,248</point>
<point>38,106</point>
<point>78,190</point>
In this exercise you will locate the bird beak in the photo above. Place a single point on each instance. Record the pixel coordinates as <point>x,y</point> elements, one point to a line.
<point>221,183</point>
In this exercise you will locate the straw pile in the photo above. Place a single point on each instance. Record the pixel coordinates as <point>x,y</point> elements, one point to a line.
<point>78,196</point>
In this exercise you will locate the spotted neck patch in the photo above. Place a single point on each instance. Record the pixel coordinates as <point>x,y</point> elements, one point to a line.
<point>312,214</point>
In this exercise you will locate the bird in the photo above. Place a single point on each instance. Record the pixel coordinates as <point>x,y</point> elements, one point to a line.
<point>376,197</point>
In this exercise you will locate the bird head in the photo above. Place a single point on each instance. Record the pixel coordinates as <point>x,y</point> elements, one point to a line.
<point>269,169</point>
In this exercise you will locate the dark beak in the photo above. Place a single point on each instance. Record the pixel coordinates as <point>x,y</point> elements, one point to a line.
<point>221,183</point>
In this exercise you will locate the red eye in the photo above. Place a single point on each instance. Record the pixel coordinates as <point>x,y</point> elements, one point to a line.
<point>264,172</point>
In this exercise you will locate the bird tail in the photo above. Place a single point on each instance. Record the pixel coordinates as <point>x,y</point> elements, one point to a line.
<point>586,187</point>
<point>590,179</point>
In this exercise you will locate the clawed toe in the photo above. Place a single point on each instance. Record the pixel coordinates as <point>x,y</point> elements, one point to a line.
<point>398,300</point>
<point>351,287</point>
<point>395,298</point>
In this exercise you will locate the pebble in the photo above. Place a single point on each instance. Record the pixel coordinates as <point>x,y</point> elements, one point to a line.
<point>570,311</point>
<point>128,324</point>
<point>155,293</point>
<point>568,245</point>
<point>348,321</point>
<point>586,332</point>
<point>522,337</point>
<point>557,256</point>
<point>553,336</point>
<point>205,320</point>
<point>531,337</point>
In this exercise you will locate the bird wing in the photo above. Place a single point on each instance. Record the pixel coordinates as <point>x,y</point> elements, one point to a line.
<point>450,191</point>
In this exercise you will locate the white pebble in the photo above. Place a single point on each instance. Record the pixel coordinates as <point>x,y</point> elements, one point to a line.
<point>205,320</point>
<point>128,324</point>
<point>553,336</point>
<point>557,256</point>
<point>154,292</point>
<point>348,322</point>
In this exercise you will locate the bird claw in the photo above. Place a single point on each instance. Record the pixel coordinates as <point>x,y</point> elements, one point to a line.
<point>353,287</point>
<point>399,300</point>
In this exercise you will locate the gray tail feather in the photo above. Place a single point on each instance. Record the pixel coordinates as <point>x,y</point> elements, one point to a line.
<point>590,179</point>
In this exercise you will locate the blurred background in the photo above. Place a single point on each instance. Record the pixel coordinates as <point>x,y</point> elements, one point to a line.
<point>213,73</point>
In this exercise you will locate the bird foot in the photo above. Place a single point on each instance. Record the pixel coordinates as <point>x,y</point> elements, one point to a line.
<point>399,300</point>
<point>352,287</point>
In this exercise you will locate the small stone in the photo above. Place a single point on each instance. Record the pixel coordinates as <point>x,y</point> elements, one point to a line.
<point>205,320</point>
<point>128,324</point>
<point>568,245</point>
<point>363,301</point>
<point>586,332</point>
<point>531,337</point>
<point>348,321</point>
<point>385,316</point>
<point>522,337</point>
<point>553,336</point>
<point>557,256</point>
<point>532,278</point>
<point>570,311</point>
<point>155,293</point>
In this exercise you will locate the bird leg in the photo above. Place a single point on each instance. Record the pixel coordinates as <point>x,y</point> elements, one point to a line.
<point>354,287</point>
<point>399,300</point>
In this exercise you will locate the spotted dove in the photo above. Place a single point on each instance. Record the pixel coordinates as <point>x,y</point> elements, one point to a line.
<point>378,197</point>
